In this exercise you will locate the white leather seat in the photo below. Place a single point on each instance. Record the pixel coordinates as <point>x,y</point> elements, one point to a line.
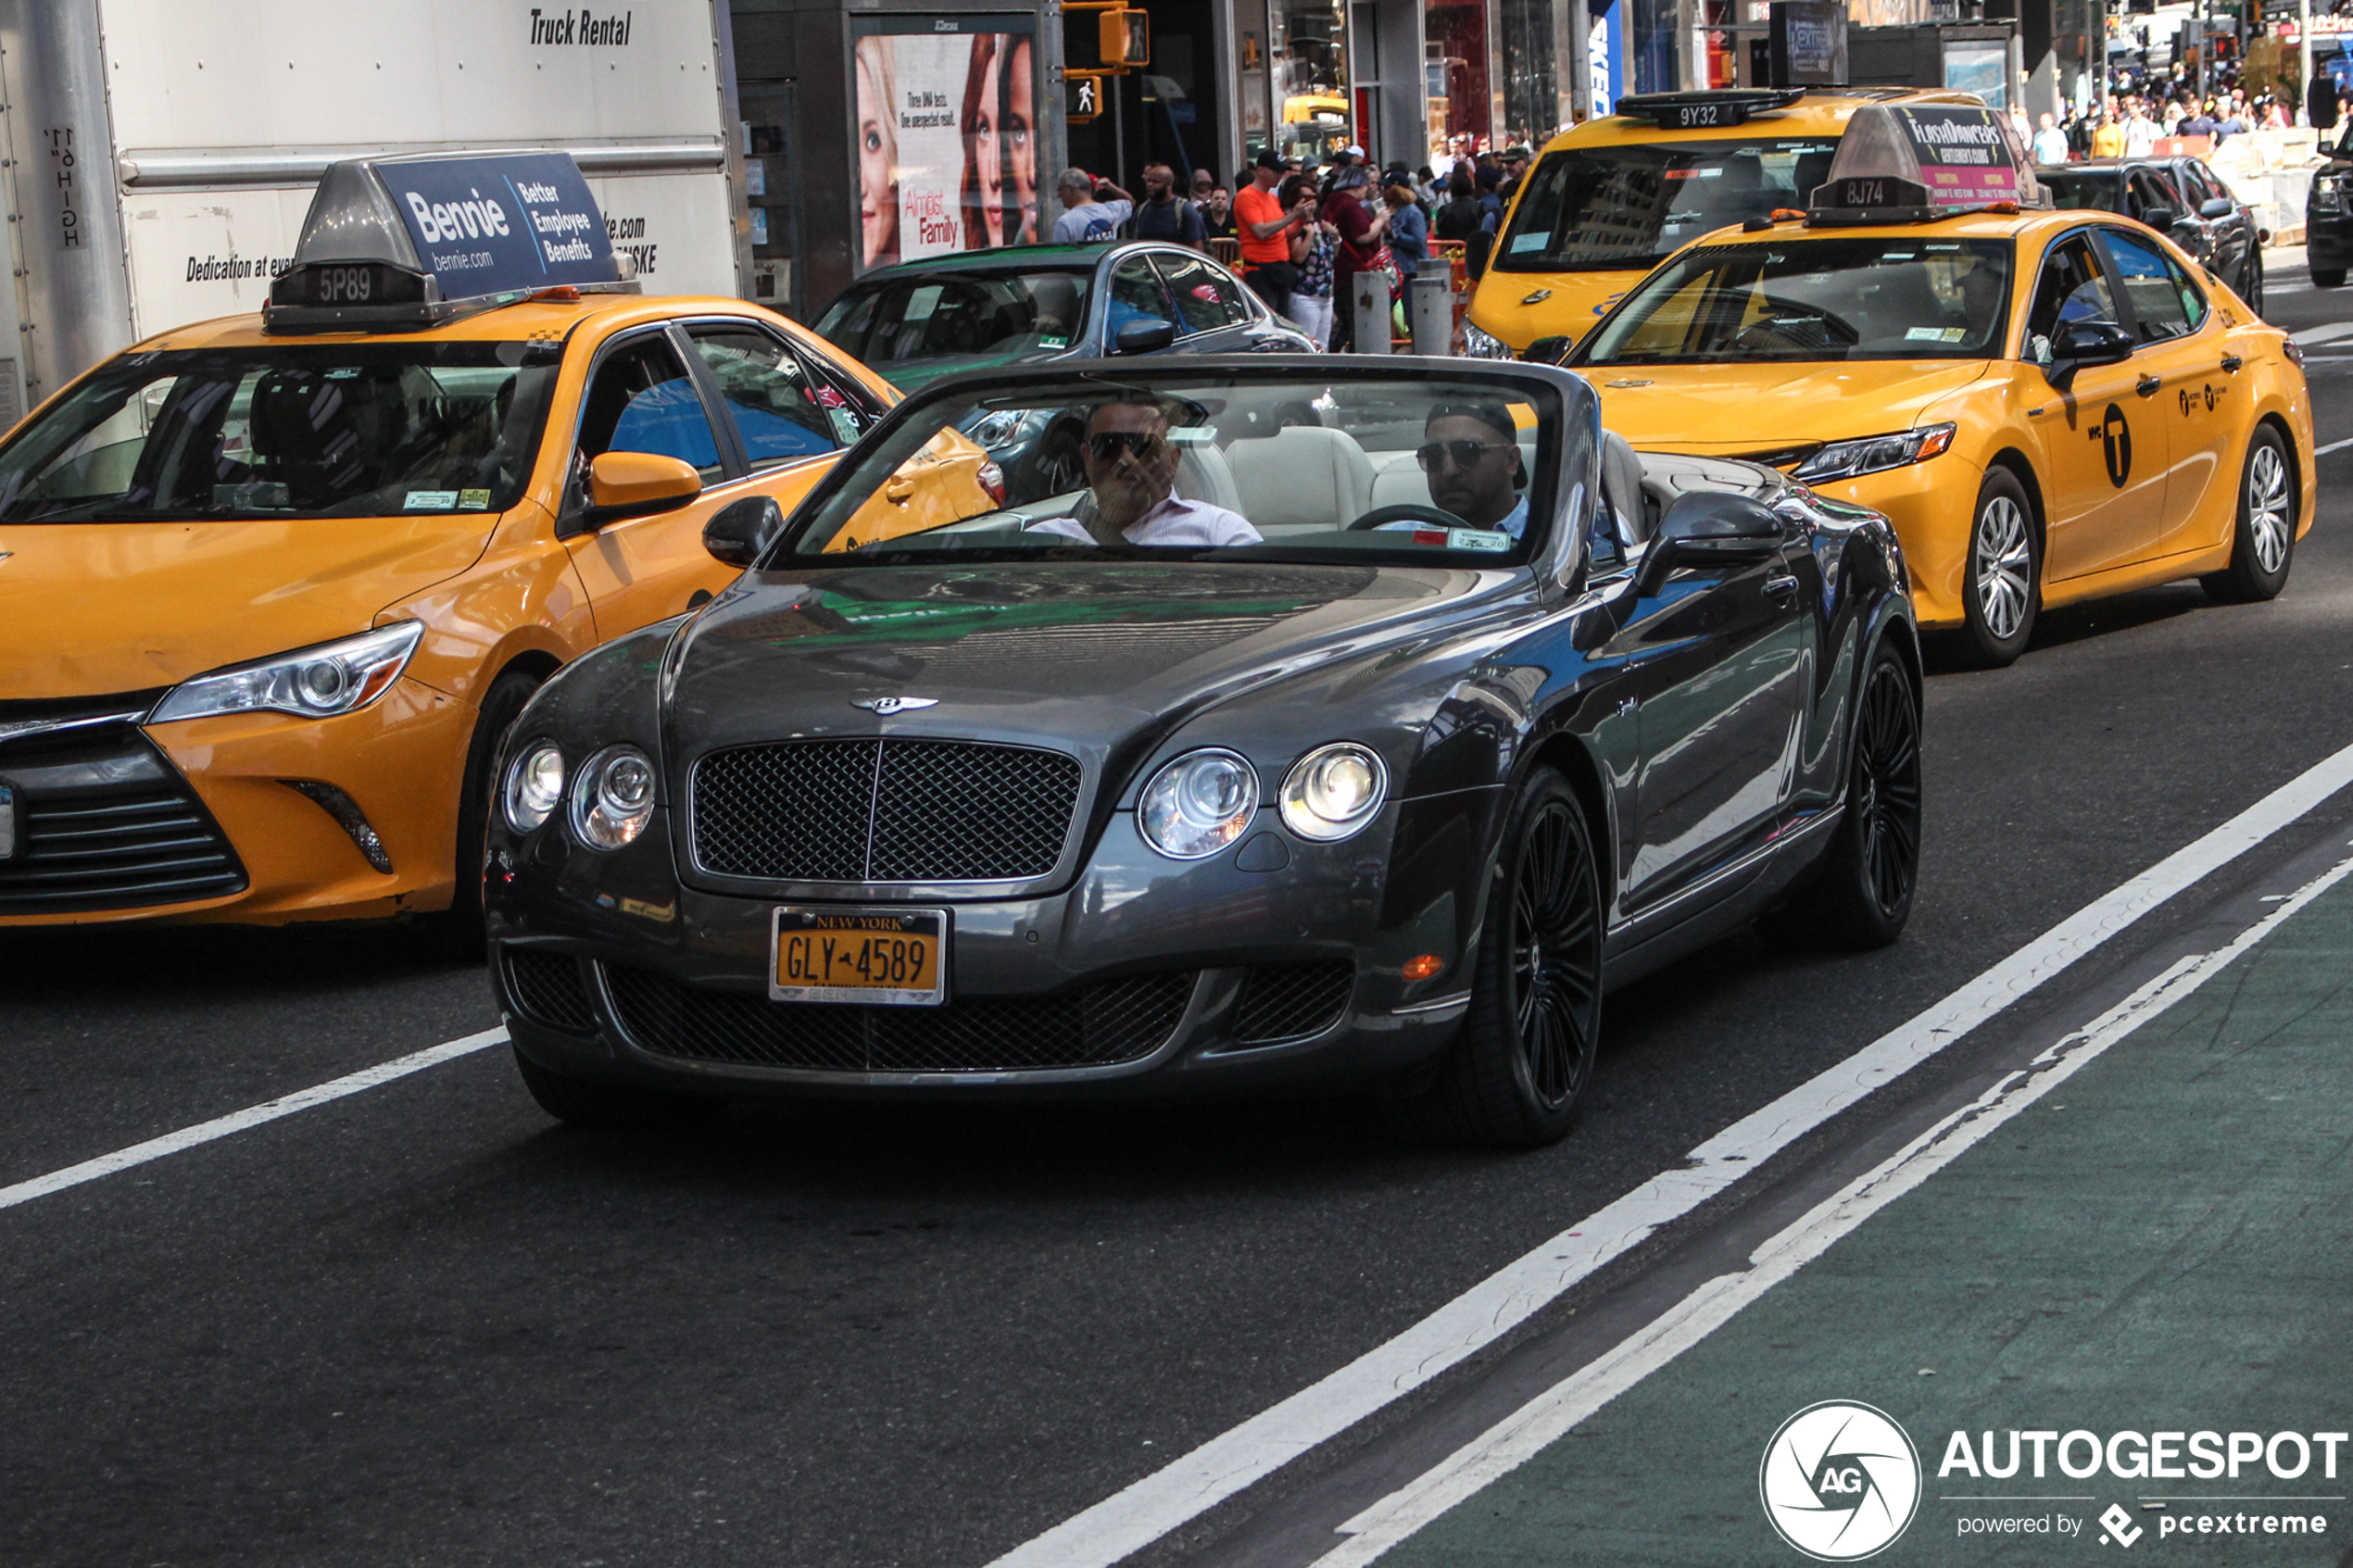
<point>1397,485</point>
<point>1304,478</point>
<point>1202,474</point>
<point>1622,487</point>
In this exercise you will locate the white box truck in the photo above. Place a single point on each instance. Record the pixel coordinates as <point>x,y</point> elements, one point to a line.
<point>157,157</point>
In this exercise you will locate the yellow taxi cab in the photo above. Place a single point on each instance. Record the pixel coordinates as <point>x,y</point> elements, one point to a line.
<point>1614,197</point>
<point>2049,406</point>
<point>271,587</point>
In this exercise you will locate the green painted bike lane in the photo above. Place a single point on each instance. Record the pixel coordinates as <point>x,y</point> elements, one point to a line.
<point>2162,1243</point>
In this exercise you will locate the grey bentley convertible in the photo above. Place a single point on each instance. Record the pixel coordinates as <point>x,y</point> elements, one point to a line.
<point>1356,722</point>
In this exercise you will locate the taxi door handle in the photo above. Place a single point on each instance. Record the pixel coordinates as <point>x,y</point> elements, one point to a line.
<point>2147,385</point>
<point>2231,363</point>
<point>899,491</point>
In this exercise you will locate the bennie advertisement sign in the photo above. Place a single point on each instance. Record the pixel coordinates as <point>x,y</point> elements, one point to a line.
<point>944,121</point>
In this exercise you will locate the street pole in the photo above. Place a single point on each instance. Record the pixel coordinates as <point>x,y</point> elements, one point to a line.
<point>2304,51</point>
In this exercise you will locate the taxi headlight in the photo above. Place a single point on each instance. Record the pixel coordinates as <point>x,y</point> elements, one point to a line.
<point>1871,454</point>
<point>1333,791</point>
<point>316,683</point>
<point>1198,803</point>
<point>1477,345</point>
<point>535,785</point>
<point>613,797</point>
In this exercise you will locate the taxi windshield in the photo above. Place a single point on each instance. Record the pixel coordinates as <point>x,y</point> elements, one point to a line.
<point>347,430</point>
<point>1441,470</point>
<point>955,320</point>
<point>1914,298</point>
<point>1633,205</point>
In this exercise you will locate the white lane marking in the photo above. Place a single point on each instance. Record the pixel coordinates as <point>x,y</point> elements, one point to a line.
<point>1141,1513</point>
<point>2333,447</point>
<point>252,1116</point>
<point>1536,1425</point>
<point>2328,332</point>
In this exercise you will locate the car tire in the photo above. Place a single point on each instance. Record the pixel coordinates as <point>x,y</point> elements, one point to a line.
<point>2251,277</point>
<point>2263,543</point>
<point>461,928</point>
<point>2002,581</point>
<point>1861,894</point>
<point>2328,277</point>
<point>1060,466</point>
<point>1514,1077</point>
<point>582,1102</point>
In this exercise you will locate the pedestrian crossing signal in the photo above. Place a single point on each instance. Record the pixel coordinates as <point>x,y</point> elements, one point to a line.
<point>1082,96</point>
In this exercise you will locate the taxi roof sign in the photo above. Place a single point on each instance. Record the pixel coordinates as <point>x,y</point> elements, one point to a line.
<point>403,242</point>
<point>1914,163</point>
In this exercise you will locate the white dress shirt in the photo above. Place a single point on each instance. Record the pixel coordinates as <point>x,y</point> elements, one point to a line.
<point>1175,521</point>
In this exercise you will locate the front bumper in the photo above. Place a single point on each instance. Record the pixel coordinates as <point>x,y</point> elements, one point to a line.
<point>1143,977</point>
<point>2328,240</point>
<point>1931,506</point>
<point>201,819</point>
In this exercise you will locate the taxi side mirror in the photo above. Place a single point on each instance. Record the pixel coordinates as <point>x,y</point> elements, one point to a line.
<point>636,483</point>
<point>738,532</point>
<point>1476,250</point>
<point>2078,343</point>
<point>1709,528</point>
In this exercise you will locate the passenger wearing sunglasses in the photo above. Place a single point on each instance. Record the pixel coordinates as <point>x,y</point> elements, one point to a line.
<point>1470,451</point>
<point>1131,486</point>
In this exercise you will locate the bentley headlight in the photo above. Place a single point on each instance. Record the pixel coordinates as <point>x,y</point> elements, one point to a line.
<point>535,785</point>
<point>1477,345</point>
<point>1844,459</point>
<point>316,683</point>
<point>1333,791</point>
<point>1198,803</point>
<point>613,797</point>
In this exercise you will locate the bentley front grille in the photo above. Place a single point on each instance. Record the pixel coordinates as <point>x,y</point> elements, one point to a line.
<point>1291,1002</point>
<point>547,989</point>
<point>1103,1026</point>
<point>884,811</point>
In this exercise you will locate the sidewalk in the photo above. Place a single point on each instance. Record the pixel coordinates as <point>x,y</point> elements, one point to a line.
<point>2162,1244</point>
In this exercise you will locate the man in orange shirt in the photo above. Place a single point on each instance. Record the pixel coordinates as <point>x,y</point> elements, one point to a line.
<point>1265,230</point>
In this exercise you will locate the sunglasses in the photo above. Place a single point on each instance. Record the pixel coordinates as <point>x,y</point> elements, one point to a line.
<point>1107,446</point>
<point>1464,453</point>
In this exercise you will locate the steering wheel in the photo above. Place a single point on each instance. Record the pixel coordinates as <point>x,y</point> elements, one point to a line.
<point>1408,511</point>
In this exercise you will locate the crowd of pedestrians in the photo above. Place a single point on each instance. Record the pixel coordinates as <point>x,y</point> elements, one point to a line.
<point>2130,123</point>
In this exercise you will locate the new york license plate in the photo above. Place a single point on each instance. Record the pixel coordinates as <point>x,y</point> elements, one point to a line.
<point>894,956</point>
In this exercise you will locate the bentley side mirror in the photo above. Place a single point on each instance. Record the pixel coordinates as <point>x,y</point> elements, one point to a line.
<point>1709,528</point>
<point>637,484</point>
<point>2216,206</point>
<point>1476,250</point>
<point>738,532</point>
<point>1144,336</point>
<point>2078,343</point>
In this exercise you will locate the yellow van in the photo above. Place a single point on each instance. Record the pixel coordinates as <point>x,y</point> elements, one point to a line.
<point>1613,198</point>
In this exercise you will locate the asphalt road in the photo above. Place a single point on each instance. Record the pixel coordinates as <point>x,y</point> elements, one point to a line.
<point>423,1324</point>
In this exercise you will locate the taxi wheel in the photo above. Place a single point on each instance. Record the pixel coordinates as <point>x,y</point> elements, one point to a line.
<point>461,926</point>
<point>2002,583</point>
<point>2263,545</point>
<point>2328,277</point>
<point>1514,1078</point>
<point>584,1103</point>
<point>1863,894</point>
<point>2251,280</point>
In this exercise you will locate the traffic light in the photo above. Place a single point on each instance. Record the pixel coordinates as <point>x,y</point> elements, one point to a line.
<point>1125,37</point>
<point>1082,96</point>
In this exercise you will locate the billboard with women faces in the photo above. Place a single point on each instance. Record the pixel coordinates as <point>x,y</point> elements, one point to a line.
<point>945,115</point>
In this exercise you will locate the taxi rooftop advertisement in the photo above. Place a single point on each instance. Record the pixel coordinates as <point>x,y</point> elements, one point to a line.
<point>710,856</point>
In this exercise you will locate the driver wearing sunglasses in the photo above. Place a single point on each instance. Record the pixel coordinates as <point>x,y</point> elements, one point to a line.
<point>1131,486</point>
<point>1470,452</point>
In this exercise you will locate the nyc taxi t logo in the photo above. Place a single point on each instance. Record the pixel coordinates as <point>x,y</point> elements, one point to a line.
<point>2116,437</point>
<point>1840,1481</point>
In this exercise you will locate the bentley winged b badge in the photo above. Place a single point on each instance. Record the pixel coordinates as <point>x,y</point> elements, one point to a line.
<point>886,706</point>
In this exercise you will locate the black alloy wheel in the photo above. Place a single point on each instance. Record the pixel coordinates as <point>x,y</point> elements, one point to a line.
<point>2002,581</point>
<point>1060,466</point>
<point>461,929</point>
<point>2263,543</point>
<point>1528,1047</point>
<point>1862,896</point>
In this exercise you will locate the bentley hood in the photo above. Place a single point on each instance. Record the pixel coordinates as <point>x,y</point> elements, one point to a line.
<point>1729,410</point>
<point>94,608</point>
<point>1120,655</point>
